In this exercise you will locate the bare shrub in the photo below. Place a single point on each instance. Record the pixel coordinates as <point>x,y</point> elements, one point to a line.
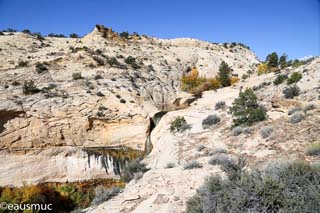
<point>309,107</point>
<point>237,131</point>
<point>296,118</point>
<point>103,194</point>
<point>265,131</point>
<point>220,105</point>
<point>210,121</point>
<point>192,165</point>
<point>291,92</point>
<point>294,110</point>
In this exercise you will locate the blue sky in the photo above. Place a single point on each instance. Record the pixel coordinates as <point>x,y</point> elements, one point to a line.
<point>284,26</point>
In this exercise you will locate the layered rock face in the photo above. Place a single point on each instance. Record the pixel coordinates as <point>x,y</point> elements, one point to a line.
<point>23,130</point>
<point>96,91</point>
<point>63,164</point>
<point>49,165</point>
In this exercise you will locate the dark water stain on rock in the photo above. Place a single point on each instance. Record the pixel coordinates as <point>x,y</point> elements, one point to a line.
<point>116,157</point>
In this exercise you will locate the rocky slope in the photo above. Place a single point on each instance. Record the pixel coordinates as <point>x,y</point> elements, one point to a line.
<point>123,83</point>
<point>163,189</point>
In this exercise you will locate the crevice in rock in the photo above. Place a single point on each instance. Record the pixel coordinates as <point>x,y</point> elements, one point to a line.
<point>90,124</point>
<point>153,123</point>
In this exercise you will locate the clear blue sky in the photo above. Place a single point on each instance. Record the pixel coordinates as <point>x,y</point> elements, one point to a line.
<point>284,26</point>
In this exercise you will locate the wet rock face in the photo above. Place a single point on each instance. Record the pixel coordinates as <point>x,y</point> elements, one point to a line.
<point>63,164</point>
<point>113,160</point>
<point>48,165</point>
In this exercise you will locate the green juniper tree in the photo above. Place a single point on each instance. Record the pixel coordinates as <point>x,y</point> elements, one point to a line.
<point>246,110</point>
<point>283,61</point>
<point>74,35</point>
<point>272,60</point>
<point>224,74</point>
<point>124,35</point>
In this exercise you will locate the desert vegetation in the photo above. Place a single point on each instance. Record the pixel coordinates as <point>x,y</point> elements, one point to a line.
<point>309,107</point>
<point>296,117</point>
<point>192,165</point>
<point>53,35</point>
<point>246,110</point>
<point>275,63</point>
<point>220,105</point>
<point>234,44</point>
<point>280,79</point>
<point>132,61</point>
<point>210,121</point>
<point>40,68</point>
<point>193,83</point>
<point>134,170</point>
<point>266,131</point>
<point>36,194</point>
<point>313,149</point>
<point>262,69</point>
<point>124,35</point>
<point>291,91</point>
<point>179,125</point>
<point>63,196</point>
<point>224,74</point>
<point>99,60</point>
<point>294,78</point>
<point>77,76</point>
<point>282,187</point>
<point>113,62</point>
<point>103,194</point>
<point>74,35</point>
<point>237,130</point>
<point>23,63</point>
<point>29,88</point>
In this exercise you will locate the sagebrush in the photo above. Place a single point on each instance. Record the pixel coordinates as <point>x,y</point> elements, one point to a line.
<point>286,187</point>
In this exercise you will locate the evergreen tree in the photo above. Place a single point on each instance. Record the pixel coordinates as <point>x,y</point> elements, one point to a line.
<point>124,35</point>
<point>283,61</point>
<point>26,31</point>
<point>272,59</point>
<point>246,110</point>
<point>224,74</point>
<point>74,35</point>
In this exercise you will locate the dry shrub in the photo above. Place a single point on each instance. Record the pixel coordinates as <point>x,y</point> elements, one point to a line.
<point>234,80</point>
<point>194,84</point>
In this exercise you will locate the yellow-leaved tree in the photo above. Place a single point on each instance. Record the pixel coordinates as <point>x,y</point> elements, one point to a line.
<point>262,68</point>
<point>194,72</point>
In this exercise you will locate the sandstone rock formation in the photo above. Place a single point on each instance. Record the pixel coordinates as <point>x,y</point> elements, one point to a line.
<point>103,91</point>
<point>166,189</point>
<point>111,101</point>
